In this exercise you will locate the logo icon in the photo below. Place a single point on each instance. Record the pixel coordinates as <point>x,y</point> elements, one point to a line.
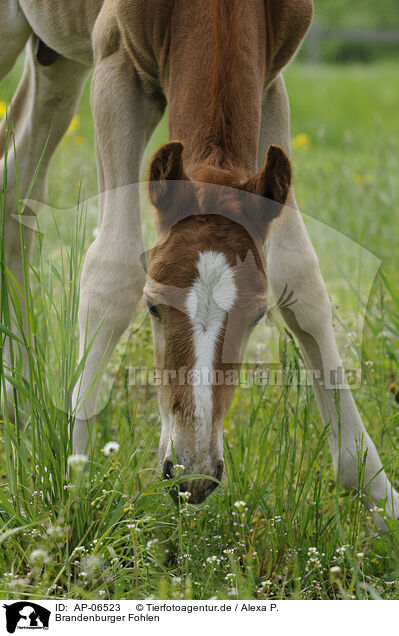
<point>26,615</point>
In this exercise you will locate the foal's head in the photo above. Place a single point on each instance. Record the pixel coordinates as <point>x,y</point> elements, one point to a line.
<point>206,290</point>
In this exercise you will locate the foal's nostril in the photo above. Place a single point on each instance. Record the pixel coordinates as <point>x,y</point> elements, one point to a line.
<point>168,472</point>
<point>198,490</point>
<point>214,484</point>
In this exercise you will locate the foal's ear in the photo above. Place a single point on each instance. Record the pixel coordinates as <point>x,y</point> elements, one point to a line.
<point>166,165</point>
<point>272,184</point>
<point>273,181</point>
<point>170,189</point>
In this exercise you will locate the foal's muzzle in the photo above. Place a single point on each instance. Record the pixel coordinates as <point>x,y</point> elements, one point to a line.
<point>199,489</point>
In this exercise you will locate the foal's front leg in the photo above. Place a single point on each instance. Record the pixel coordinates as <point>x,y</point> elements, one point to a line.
<point>292,264</point>
<point>113,277</point>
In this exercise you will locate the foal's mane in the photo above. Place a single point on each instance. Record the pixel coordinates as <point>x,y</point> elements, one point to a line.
<point>225,86</point>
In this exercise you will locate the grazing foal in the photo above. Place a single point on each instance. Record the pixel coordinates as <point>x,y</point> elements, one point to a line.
<point>217,64</point>
<point>206,290</point>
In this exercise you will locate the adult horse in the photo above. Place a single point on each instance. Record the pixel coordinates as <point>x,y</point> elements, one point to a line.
<point>217,64</point>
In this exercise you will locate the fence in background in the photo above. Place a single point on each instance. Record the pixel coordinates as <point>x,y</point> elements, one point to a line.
<point>320,34</point>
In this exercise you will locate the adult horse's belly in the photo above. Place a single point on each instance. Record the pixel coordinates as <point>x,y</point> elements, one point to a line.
<point>65,26</point>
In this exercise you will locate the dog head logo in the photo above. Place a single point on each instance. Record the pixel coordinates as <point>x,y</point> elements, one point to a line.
<point>26,615</point>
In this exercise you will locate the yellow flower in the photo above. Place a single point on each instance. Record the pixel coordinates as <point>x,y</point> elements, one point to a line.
<point>360,179</point>
<point>78,141</point>
<point>3,109</point>
<point>74,125</point>
<point>302,142</point>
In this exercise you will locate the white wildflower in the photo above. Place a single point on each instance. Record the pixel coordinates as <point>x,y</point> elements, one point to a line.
<point>342,549</point>
<point>110,448</point>
<point>376,509</point>
<point>77,461</point>
<point>39,557</point>
<point>176,580</point>
<point>17,583</point>
<point>91,564</point>
<point>79,549</point>
<point>150,543</point>
<point>313,561</point>
<point>55,531</point>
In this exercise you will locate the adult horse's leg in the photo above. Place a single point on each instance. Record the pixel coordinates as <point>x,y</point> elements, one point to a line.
<point>14,30</point>
<point>40,113</point>
<point>293,264</point>
<point>113,276</point>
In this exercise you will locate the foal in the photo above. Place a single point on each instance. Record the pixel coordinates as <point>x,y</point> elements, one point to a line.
<point>217,63</point>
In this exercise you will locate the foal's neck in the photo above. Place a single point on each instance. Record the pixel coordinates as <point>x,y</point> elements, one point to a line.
<point>216,78</point>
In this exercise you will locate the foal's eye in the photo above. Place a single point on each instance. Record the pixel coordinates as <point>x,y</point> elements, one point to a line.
<point>153,310</point>
<point>259,318</point>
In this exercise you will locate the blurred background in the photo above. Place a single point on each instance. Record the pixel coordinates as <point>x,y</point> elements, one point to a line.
<point>355,31</point>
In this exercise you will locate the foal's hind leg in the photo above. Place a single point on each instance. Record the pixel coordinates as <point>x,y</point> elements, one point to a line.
<point>113,276</point>
<point>292,264</point>
<point>41,111</point>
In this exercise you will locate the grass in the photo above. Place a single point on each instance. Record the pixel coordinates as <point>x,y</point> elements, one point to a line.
<point>279,523</point>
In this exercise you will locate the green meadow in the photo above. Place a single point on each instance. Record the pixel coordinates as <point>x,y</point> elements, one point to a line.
<point>279,526</point>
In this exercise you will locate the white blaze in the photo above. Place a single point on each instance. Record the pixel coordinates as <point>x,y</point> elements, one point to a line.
<point>209,299</point>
